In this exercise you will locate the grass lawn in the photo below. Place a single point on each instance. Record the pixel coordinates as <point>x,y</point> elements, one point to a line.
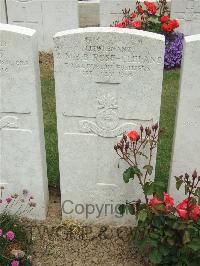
<point>168,109</point>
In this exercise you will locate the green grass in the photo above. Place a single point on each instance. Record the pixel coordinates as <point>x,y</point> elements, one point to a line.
<point>168,110</point>
<point>49,111</point>
<point>167,121</point>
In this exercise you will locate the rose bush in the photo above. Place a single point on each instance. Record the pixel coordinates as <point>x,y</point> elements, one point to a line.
<point>167,233</point>
<point>156,18</point>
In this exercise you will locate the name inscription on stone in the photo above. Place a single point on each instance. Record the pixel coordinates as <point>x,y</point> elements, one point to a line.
<point>100,56</point>
<point>8,62</point>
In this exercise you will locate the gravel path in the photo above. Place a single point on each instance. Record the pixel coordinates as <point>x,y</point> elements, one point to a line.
<point>73,243</point>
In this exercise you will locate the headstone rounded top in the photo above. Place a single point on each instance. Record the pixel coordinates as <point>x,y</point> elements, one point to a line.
<point>111,30</point>
<point>17,29</point>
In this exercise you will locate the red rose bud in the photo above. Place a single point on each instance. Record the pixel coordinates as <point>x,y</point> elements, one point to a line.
<point>125,137</point>
<point>155,126</point>
<point>134,15</point>
<point>126,22</point>
<point>186,176</point>
<point>141,128</point>
<point>115,147</point>
<point>194,175</point>
<point>140,10</point>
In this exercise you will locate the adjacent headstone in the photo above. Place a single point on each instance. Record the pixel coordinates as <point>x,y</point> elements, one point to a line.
<point>45,16</point>
<point>188,13</point>
<point>22,157</point>
<point>89,13</point>
<point>3,16</point>
<point>111,10</point>
<point>108,81</point>
<point>186,157</point>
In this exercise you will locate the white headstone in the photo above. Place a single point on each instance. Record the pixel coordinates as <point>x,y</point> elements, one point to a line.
<point>45,16</point>
<point>108,81</point>
<point>188,14</point>
<point>111,10</point>
<point>3,17</point>
<point>22,157</point>
<point>89,13</point>
<point>186,157</point>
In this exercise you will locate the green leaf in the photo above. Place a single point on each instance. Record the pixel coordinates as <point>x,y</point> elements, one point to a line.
<point>160,195</point>
<point>194,245</point>
<point>122,209</point>
<point>178,184</point>
<point>148,168</point>
<point>155,256</point>
<point>149,188</point>
<point>142,215</point>
<point>131,209</point>
<point>197,192</point>
<point>129,173</point>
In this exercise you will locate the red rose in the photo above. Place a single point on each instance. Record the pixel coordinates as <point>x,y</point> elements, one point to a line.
<point>151,7</point>
<point>195,213</point>
<point>154,201</point>
<point>188,210</point>
<point>134,15</point>
<point>120,25</point>
<point>137,24</point>
<point>166,28</point>
<point>133,136</point>
<point>169,201</point>
<point>164,19</point>
<point>174,24</point>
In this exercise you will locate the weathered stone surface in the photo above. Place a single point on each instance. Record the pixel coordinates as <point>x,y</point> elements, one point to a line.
<point>188,14</point>
<point>111,10</point>
<point>108,81</point>
<point>22,151</point>
<point>186,157</point>
<point>45,16</point>
<point>3,18</point>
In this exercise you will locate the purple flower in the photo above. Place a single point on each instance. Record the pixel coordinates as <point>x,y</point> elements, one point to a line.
<point>173,50</point>
<point>10,235</point>
<point>1,232</point>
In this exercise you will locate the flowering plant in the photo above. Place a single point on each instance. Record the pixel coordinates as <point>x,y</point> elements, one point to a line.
<point>13,237</point>
<point>149,17</point>
<point>156,18</point>
<point>168,234</point>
